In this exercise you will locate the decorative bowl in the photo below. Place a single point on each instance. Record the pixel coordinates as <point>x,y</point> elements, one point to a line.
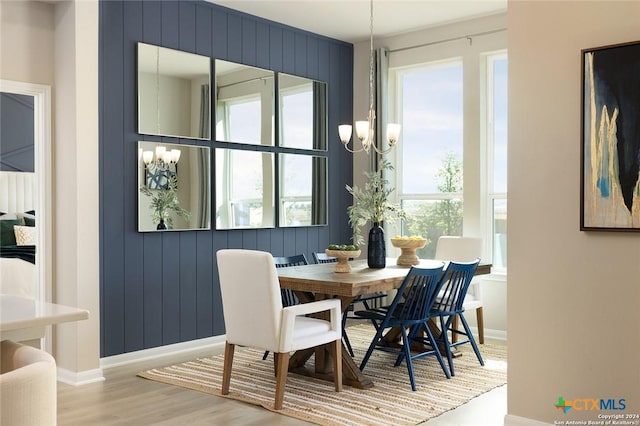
<point>408,246</point>
<point>343,257</point>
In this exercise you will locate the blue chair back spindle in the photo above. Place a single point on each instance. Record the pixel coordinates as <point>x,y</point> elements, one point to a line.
<point>410,310</point>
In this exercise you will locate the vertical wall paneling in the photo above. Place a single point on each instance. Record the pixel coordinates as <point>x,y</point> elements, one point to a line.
<point>234,37</point>
<point>152,291</point>
<point>312,58</point>
<point>203,30</point>
<point>133,244</point>
<point>263,240</point>
<point>188,290</point>
<point>249,46</point>
<point>300,43</point>
<point>187,28</point>
<point>169,264</point>
<point>288,46</point>
<point>170,24</point>
<point>111,156</point>
<point>161,288</point>
<point>262,45</point>
<point>275,48</point>
<point>219,34</point>
<point>152,22</point>
<point>208,304</point>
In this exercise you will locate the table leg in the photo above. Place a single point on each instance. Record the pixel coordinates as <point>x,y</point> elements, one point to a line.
<point>323,369</point>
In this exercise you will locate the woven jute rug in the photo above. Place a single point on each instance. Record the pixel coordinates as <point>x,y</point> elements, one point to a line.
<point>390,402</point>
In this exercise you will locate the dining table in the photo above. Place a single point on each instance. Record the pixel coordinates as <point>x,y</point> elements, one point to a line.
<point>23,319</point>
<point>320,281</point>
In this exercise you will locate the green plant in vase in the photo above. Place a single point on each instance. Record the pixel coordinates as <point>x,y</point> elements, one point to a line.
<point>165,201</point>
<point>371,203</point>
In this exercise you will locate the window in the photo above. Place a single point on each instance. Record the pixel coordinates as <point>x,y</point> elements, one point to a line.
<point>243,199</point>
<point>296,116</point>
<point>239,120</point>
<point>430,109</point>
<point>496,143</point>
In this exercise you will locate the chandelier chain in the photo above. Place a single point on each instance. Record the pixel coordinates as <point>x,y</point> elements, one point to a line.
<point>371,54</point>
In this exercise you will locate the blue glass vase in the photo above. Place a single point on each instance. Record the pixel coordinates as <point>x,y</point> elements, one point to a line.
<point>377,253</point>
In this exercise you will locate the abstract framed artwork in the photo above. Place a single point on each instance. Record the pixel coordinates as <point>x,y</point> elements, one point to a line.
<point>157,175</point>
<point>610,143</point>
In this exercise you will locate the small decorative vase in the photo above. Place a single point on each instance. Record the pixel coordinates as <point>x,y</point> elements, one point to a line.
<point>161,226</point>
<point>377,253</point>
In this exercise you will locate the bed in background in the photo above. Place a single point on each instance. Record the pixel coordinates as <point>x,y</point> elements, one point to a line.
<point>17,215</point>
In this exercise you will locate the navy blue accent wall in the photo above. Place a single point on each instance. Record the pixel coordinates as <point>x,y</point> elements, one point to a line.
<point>16,133</point>
<point>162,288</point>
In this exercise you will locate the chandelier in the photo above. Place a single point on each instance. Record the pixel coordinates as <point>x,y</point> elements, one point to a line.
<point>365,130</point>
<point>164,157</point>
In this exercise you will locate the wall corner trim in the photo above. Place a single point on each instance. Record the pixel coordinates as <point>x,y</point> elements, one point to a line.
<point>79,378</point>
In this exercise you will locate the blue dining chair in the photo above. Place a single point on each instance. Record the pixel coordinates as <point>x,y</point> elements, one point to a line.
<point>449,305</point>
<point>369,301</point>
<point>410,311</point>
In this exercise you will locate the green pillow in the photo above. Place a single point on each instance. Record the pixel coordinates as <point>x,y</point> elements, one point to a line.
<point>29,221</point>
<point>7,234</point>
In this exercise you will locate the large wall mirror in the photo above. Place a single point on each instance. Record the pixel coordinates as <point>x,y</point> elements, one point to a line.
<point>244,189</point>
<point>244,104</point>
<point>303,190</point>
<point>173,93</point>
<point>25,194</point>
<point>174,190</point>
<point>303,112</point>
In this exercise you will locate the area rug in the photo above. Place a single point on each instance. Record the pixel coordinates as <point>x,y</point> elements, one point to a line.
<point>390,402</point>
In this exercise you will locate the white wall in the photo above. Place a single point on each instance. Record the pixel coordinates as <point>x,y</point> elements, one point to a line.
<point>573,296</point>
<point>76,192</point>
<point>57,44</point>
<point>26,42</point>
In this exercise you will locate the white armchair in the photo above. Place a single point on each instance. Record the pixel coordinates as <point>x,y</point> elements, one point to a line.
<point>254,316</point>
<point>27,386</point>
<point>465,249</point>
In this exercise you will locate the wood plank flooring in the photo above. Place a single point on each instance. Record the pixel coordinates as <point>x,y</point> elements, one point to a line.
<point>125,399</point>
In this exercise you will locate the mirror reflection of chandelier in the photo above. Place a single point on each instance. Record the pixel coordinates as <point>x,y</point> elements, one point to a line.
<point>160,171</point>
<point>163,157</point>
<point>365,130</point>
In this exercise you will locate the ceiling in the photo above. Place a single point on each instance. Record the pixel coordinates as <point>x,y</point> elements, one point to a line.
<point>348,20</point>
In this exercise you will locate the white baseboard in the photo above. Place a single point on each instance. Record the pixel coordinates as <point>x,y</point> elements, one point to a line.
<point>492,334</point>
<point>215,342</point>
<point>489,333</point>
<point>79,378</point>
<point>511,420</point>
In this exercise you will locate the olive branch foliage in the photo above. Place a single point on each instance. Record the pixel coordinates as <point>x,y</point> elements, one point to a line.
<point>164,201</point>
<point>371,203</point>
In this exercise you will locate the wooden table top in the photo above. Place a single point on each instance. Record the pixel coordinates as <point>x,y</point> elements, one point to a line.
<point>321,278</point>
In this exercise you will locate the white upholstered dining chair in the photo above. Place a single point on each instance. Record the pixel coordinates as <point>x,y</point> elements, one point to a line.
<point>465,249</point>
<point>254,316</point>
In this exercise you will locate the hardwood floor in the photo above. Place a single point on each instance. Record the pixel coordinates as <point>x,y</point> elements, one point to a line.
<point>125,399</point>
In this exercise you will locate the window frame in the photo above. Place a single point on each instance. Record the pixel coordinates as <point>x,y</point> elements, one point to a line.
<point>488,193</point>
<point>396,156</point>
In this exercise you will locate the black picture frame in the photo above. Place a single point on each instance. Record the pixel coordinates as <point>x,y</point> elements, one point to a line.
<point>610,138</point>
